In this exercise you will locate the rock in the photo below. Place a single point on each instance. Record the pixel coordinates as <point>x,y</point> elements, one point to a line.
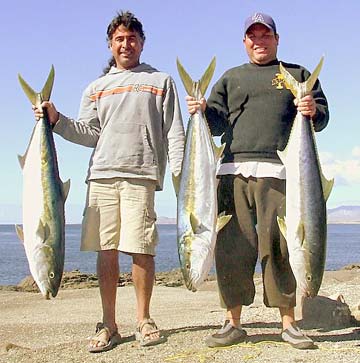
<point>326,312</point>
<point>355,311</point>
<point>78,280</point>
<point>352,266</point>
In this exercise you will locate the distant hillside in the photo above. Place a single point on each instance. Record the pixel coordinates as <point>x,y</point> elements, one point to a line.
<point>166,220</point>
<point>344,214</point>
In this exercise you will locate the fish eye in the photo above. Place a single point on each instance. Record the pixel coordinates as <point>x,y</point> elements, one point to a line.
<point>308,277</point>
<point>51,275</point>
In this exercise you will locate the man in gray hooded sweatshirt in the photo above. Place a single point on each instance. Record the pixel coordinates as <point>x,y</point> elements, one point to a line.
<point>131,117</point>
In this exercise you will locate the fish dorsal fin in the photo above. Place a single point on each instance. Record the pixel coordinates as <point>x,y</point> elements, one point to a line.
<point>35,97</point>
<point>222,220</point>
<point>196,89</point>
<point>195,223</point>
<point>327,186</point>
<point>282,226</point>
<point>66,188</point>
<point>19,232</point>
<point>43,231</point>
<point>298,89</point>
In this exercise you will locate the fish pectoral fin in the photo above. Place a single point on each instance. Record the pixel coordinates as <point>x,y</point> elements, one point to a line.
<point>43,230</point>
<point>195,223</point>
<point>327,186</point>
<point>301,233</point>
<point>66,188</point>
<point>21,159</point>
<point>222,220</point>
<point>176,182</point>
<point>19,232</point>
<point>282,225</point>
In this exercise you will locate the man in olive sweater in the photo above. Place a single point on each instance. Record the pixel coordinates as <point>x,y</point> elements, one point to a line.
<point>251,107</point>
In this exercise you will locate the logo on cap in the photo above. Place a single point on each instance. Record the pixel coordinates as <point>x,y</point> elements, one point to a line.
<point>258,18</point>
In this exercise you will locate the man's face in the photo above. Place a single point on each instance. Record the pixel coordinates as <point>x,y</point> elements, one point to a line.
<point>261,44</point>
<point>126,46</point>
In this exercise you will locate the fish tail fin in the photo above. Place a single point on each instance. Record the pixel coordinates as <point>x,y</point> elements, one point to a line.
<point>196,89</point>
<point>301,89</point>
<point>206,77</point>
<point>35,97</point>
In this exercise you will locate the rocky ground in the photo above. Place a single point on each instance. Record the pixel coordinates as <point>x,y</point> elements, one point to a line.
<point>33,329</point>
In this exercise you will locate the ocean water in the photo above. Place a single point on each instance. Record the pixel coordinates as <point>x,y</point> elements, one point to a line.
<point>343,248</point>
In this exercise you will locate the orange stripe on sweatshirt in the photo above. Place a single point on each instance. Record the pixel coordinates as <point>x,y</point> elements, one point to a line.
<point>131,88</point>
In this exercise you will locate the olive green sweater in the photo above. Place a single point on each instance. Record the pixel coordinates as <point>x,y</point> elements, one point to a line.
<point>251,107</point>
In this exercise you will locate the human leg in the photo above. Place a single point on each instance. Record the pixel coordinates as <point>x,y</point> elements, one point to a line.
<point>291,333</point>
<point>108,276</point>
<point>100,232</point>
<point>235,256</point>
<point>278,279</point>
<point>143,273</point>
<point>138,237</point>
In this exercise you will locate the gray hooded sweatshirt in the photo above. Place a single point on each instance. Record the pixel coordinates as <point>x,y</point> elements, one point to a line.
<point>133,121</point>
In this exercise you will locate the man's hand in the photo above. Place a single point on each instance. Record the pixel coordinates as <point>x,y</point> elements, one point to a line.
<point>52,113</point>
<point>194,105</point>
<point>306,105</point>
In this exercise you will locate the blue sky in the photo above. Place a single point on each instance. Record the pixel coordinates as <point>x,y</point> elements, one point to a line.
<point>72,36</point>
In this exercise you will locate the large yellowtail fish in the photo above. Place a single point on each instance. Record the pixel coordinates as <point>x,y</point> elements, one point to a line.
<point>305,225</point>
<point>44,196</point>
<point>197,212</point>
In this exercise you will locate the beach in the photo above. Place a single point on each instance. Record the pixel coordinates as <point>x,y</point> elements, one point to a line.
<point>33,329</point>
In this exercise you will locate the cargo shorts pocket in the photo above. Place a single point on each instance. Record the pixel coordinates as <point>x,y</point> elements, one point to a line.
<point>151,237</point>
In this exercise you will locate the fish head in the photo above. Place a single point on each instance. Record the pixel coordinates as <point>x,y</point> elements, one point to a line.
<point>185,242</point>
<point>47,271</point>
<point>313,284</point>
<point>194,259</point>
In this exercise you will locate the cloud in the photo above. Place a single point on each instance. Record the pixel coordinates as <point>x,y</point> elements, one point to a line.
<point>345,172</point>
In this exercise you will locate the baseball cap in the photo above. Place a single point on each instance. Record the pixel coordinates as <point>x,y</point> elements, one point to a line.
<point>260,18</point>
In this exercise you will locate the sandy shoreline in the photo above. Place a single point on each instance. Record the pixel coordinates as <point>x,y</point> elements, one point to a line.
<point>36,330</point>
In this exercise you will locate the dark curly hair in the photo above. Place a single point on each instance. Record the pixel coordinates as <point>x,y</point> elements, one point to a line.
<point>130,22</point>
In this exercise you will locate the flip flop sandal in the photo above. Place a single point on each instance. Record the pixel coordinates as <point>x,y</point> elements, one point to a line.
<point>103,335</point>
<point>144,336</point>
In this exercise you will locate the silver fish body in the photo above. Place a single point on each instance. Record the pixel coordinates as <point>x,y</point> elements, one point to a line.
<point>44,196</point>
<point>197,212</point>
<point>305,224</point>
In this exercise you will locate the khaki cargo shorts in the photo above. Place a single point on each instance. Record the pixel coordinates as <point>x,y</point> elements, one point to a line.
<point>119,214</point>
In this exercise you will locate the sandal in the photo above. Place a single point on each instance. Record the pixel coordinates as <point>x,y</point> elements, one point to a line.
<point>143,333</point>
<point>103,335</point>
